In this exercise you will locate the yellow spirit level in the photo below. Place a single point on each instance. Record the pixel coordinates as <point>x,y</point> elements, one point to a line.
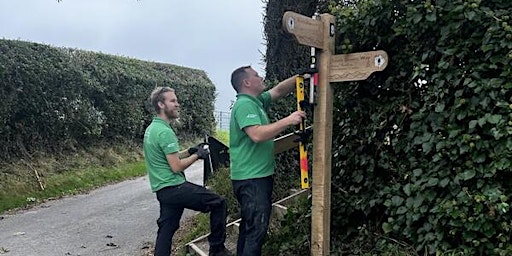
<point>303,153</point>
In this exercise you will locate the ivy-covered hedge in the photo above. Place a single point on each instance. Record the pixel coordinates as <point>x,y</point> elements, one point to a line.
<point>55,99</point>
<point>422,151</point>
<point>432,164</point>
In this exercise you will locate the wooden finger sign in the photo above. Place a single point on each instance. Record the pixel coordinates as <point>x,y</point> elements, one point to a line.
<point>356,66</point>
<point>306,30</point>
<point>319,33</point>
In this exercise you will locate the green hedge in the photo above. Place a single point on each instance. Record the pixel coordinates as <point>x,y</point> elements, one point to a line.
<point>57,99</point>
<point>422,151</point>
<point>431,164</point>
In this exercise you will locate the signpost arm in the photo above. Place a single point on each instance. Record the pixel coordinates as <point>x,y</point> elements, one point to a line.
<point>322,144</point>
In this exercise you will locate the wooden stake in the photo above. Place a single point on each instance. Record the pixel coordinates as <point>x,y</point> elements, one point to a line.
<point>36,173</point>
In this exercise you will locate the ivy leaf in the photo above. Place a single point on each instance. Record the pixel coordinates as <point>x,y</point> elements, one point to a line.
<point>487,47</point>
<point>468,174</point>
<point>418,201</point>
<point>461,115</point>
<point>472,124</point>
<point>409,202</point>
<point>472,84</point>
<point>407,189</point>
<point>444,182</point>
<point>450,51</point>
<point>480,158</point>
<point>470,15</point>
<point>397,200</point>
<point>417,18</point>
<point>426,147</point>
<point>481,121</point>
<point>401,210</point>
<point>463,149</point>
<point>433,181</point>
<point>494,119</point>
<point>443,64</point>
<point>440,107</point>
<point>431,17</point>
<point>454,133</point>
<point>386,227</point>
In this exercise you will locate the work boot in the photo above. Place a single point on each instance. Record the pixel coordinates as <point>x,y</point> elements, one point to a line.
<point>222,251</point>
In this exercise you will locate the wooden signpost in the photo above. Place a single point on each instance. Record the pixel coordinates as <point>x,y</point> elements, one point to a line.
<point>331,68</point>
<point>356,66</point>
<point>306,30</point>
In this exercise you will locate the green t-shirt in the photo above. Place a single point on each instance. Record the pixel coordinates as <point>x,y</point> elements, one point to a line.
<point>159,141</point>
<point>249,160</point>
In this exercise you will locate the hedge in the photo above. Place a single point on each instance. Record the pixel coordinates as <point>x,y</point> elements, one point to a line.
<point>57,99</point>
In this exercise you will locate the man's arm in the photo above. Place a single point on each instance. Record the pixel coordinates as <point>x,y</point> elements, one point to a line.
<point>184,154</point>
<point>260,133</point>
<point>283,88</point>
<point>179,165</point>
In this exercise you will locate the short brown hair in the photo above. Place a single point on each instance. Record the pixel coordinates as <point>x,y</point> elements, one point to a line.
<point>238,76</point>
<point>158,96</point>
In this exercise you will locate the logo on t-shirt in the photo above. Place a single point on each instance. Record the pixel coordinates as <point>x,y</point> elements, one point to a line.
<point>251,116</point>
<point>171,145</point>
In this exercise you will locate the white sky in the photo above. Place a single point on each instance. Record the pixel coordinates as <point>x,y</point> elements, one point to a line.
<point>215,36</point>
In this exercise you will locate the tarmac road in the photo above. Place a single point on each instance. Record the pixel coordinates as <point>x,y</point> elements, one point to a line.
<point>115,220</point>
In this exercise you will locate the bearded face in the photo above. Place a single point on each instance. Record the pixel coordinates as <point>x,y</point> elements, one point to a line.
<point>170,105</point>
<point>171,112</point>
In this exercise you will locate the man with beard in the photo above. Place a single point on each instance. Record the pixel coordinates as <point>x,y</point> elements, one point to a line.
<point>165,170</point>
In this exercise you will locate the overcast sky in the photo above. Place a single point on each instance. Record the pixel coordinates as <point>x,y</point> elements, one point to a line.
<point>215,36</point>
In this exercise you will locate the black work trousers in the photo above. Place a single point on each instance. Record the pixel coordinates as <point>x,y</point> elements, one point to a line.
<point>255,198</point>
<point>173,200</point>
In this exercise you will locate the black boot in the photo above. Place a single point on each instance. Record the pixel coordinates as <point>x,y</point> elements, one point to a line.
<point>220,251</point>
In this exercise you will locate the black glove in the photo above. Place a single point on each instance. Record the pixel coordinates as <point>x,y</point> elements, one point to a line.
<point>193,150</point>
<point>202,152</point>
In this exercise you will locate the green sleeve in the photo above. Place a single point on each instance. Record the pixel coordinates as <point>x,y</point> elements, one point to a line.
<point>168,142</point>
<point>248,115</point>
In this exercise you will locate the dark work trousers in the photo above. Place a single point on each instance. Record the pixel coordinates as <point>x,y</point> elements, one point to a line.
<point>173,200</point>
<point>255,199</point>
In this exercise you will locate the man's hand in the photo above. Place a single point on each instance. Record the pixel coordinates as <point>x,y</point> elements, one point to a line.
<point>193,150</point>
<point>202,151</point>
<point>296,117</point>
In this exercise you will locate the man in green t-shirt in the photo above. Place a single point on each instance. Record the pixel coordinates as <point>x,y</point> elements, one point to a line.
<point>165,166</point>
<point>251,150</point>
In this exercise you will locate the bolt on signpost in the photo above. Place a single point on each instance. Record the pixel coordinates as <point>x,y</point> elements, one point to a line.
<point>319,33</point>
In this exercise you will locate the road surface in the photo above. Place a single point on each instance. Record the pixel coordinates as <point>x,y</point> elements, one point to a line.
<point>115,220</point>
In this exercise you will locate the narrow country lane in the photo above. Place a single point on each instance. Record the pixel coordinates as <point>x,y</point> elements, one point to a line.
<point>118,219</point>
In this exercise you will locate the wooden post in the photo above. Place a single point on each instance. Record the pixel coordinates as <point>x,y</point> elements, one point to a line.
<point>322,146</point>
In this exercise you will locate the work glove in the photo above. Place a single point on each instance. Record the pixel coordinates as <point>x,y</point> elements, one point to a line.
<point>193,150</point>
<point>203,152</point>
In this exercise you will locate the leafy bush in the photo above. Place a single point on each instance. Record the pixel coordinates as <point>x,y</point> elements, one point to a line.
<point>57,99</point>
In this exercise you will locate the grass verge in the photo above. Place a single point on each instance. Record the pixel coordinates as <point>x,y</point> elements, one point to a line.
<point>27,182</point>
<point>39,177</point>
<point>70,183</point>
